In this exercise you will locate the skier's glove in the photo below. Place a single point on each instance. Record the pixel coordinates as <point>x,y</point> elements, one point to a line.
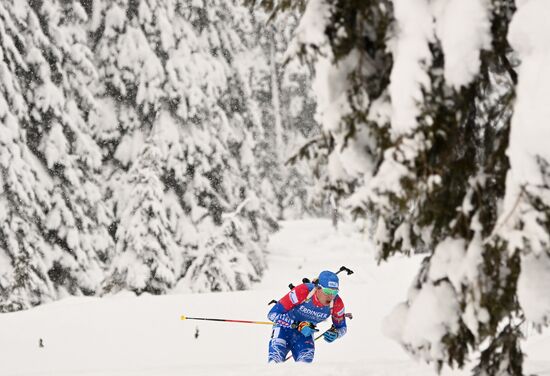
<point>330,335</point>
<point>306,328</point>
<point>282,319</point>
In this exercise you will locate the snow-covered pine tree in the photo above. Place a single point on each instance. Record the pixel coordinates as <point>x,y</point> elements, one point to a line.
<point>416,98</point>
<point>283,90</point>
<point>169,68</point>
<point>243,222</point>
<point>53,222</point>
<point>147,257</point>
<point>524,225</point>
<point>299,194</point>
<point>78,219</point>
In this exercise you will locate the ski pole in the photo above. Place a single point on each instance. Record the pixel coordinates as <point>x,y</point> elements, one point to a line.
<point>226,320</point>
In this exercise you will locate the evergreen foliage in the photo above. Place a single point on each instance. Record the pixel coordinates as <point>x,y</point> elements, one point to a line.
<point>173,66</point>
<point>417,135</point>
<point>53,239</point>
<point>287,106</point>
<point>133,148</point>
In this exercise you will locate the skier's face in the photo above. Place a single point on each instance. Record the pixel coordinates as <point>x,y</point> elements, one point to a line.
<point>324,298</point>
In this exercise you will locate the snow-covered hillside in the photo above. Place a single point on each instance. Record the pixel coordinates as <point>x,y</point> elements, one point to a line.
<point>124,335</point>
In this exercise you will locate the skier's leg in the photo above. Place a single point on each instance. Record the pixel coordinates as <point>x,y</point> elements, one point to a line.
<point>278,345</point>
<point>303,349</point>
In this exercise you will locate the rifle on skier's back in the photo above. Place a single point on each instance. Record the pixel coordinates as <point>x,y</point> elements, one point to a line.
<point>314,281</point>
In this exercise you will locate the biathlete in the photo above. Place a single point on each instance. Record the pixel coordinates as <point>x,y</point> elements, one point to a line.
<point>296,315</point>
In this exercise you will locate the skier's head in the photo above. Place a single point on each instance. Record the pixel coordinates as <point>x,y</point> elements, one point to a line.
<point>328,280</point>
<point>328,285</point>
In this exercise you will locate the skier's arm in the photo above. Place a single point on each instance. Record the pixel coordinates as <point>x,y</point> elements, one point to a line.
<point>339,317</point>
<point>279,313</point>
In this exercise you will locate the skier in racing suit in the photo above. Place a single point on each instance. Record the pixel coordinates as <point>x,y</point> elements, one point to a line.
<point>296,314</point>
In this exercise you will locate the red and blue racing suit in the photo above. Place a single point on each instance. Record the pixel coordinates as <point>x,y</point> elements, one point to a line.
<point>298,305</point>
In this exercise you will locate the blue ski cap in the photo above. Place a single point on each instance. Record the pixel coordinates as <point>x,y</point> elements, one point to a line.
<point>328,279</point>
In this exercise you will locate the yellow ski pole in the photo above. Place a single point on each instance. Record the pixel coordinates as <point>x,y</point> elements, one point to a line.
<point>226,320</point>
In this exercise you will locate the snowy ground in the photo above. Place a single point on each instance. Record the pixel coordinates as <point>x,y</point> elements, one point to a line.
<point>128,336</point>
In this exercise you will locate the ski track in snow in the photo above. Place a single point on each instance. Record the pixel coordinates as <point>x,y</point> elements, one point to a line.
<point>127,336</point>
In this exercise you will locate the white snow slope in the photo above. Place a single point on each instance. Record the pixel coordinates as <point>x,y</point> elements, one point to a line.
<point>126,335</point>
